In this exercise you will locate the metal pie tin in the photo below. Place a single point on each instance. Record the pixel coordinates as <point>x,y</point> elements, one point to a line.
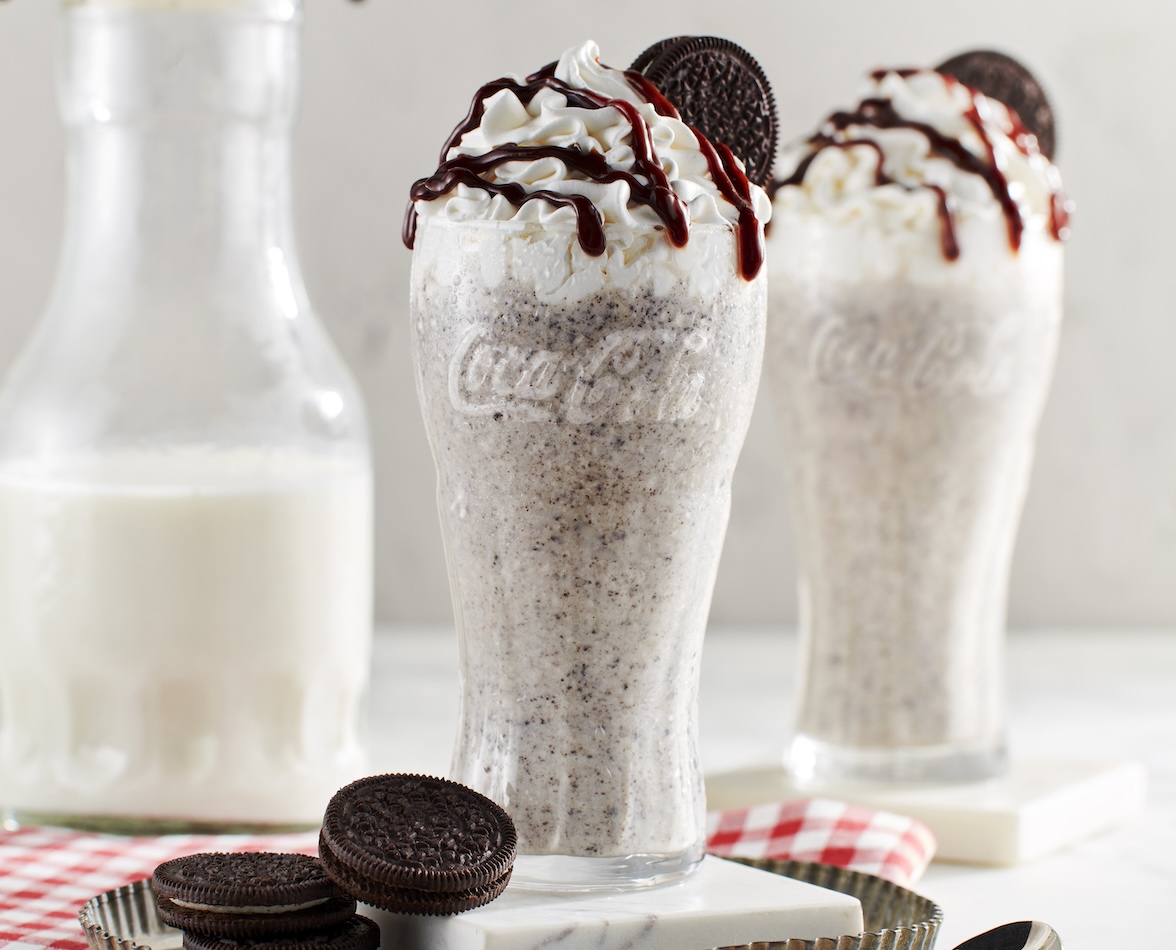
<point>895,918</point>
<point>127,919</point>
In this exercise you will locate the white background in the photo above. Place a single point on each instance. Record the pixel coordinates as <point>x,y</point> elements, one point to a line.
<point>385,80</point>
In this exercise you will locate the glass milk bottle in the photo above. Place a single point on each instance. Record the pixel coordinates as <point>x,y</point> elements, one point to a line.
<point>185,490</point>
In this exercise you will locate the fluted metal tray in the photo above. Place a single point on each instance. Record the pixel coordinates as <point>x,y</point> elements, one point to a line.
<point>895,918</point>
<point>127,919</point>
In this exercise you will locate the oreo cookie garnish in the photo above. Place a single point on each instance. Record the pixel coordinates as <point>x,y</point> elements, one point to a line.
<point>641,63</point>
<point>416,844</point>
<point>357,933</point>
<point>719,89</point>
<point>1002,78</point>
<point>247,895</point>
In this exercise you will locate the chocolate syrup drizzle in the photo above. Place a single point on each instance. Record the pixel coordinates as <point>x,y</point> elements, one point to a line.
<point>648,184</point>
<point>881,114</point>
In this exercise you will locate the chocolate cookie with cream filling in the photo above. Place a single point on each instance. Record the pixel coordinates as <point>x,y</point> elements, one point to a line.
<point>248,895</point>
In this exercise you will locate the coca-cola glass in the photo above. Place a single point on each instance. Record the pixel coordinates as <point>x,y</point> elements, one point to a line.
<point>585,421</point>
<point>908,404</point>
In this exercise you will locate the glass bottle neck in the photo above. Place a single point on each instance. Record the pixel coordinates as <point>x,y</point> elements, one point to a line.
<point>178,319</point>
<point>179,128</point>
<point>178,200</point>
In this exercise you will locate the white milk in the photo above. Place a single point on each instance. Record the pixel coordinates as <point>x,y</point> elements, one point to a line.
<point>190,644</point>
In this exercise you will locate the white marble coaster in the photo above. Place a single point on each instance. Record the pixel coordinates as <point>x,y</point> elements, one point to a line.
<point>1040,807</point>
<point>721,903</point>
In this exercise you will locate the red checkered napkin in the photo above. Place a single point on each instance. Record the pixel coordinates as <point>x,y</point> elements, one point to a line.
<point>819,829</point>
<point>46,875</point>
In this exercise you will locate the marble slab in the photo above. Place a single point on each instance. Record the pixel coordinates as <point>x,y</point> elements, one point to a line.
<point>722,903</point>
<point>1042,806</point>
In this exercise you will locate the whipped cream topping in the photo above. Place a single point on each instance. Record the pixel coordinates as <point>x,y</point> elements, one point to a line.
<point>598,149</point>
<point>922,150</point>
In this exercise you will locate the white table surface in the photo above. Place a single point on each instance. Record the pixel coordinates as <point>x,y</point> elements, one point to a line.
<point>1079,694</point>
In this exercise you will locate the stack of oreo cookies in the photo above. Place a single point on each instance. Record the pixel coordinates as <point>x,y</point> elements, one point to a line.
<point>413,844</point>
<point>279,901</point>
<point>404,843</point>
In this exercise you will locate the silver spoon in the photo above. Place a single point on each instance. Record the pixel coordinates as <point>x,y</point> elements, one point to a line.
<point>1021,935</point>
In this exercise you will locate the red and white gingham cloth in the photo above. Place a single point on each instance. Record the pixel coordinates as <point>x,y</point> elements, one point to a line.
<point>46,875</point>
<point>892,846</point>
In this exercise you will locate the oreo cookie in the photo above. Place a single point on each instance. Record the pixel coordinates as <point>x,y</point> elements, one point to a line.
<point>417,845</point>
<point>248,895</point>
<point>641,63</point>
<point>358,933</point>
<point>1002,78</point>
<point>719,89</point>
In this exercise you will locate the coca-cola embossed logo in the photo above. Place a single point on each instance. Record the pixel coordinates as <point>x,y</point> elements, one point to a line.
<point>940,358</point>
<point>631,375</point>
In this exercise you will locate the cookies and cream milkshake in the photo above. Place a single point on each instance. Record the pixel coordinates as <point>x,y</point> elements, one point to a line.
<point>915,264</point>
<point>588,315</point>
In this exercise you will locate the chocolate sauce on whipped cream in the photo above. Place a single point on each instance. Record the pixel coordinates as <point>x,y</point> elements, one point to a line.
<point>880,113</point>
<point>648,184</point>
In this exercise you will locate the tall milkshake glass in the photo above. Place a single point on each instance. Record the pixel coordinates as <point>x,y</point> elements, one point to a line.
<point>914,317</point>
<point>585,411</point>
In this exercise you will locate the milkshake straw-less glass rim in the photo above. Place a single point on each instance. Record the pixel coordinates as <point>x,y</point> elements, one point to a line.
<point>586,377</point>
<point>916,297</point>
